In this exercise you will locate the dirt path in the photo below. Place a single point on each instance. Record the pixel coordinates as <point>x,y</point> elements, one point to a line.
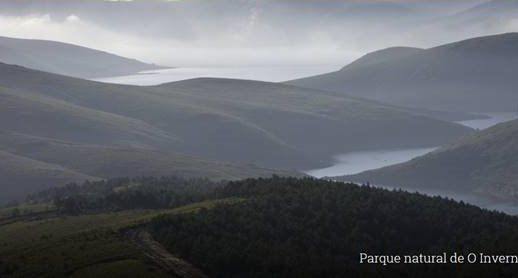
<point>160,256</point>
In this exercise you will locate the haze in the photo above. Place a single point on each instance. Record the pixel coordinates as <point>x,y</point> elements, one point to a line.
<point>237,33</point>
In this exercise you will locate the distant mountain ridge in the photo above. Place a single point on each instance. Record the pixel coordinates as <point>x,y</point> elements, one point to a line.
<point>473,75</point>
<point>67,59</point>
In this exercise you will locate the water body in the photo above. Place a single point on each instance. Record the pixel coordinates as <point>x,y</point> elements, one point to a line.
<point>261,73</point>
<point>493,119</point>
<point>356,162</point>
<point>347,163</point>
<point>509,207</point>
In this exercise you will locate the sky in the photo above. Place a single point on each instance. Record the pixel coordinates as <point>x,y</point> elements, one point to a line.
<point>253,32</point>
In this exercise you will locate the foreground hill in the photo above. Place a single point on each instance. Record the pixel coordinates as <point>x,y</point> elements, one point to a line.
<point>67,59</point>
<point>471,75</point>
<point>282,227</point>
<point>484,163</point>
<point>268,124</point>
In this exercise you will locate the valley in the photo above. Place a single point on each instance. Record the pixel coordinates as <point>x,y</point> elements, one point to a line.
<point>109,130</point>
<point>484,166</point>
<point>259,73</point>
<point>357,162</point>
<point>258,139</point>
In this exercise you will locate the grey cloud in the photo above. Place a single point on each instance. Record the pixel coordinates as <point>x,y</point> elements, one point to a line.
<point>247,31</point>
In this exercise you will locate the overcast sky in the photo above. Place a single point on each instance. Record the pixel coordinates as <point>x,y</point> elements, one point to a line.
<point>247,32</point>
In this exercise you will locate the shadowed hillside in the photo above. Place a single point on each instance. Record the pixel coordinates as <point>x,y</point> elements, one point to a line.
<point>483,163</point>
<point>32,163</point>
<point>223,119</point>
<point>472,75</point>
<point>106,130</point>
<point>67,59</point>
<point>270,227</point>
<point>314,228</point>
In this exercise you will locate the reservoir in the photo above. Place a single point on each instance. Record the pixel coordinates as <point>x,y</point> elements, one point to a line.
<point>260,73</point>
<point>357,162</point>
<point>493,119</point>
<point>345,163</point>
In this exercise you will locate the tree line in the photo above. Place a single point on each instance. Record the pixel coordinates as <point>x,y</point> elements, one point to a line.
<point>126,193</point>
<point>291,227</point>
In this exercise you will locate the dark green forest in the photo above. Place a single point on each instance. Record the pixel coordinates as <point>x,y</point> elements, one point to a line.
<point>126,193</point>
<point>284,227</point>
<point>292,227</point>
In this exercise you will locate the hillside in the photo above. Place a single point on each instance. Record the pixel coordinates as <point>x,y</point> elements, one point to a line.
<point>312,228</point>
<point>82,246</point>
<point>382,56</point>
<point>67,59</point>
<point>20,175</point>
<point>483,163</point>
<point>32,163</point>
<point>473,75</point>
<point>312,122</point>
<point>282,227</point>
<point>218,119</point>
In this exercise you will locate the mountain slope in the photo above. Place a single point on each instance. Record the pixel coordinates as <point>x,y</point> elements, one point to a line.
<point>224,119</point>
<point>471,76</point>
<point>67,59</point>
<point>316,228</point>
<point>20,175</point>
<point>32,163</point>
<point>312,121</point>
<point>382,56</point>
<point>42,115</point>
<point>485,163</point>
<point>289,228</point>
<point>92,129</point>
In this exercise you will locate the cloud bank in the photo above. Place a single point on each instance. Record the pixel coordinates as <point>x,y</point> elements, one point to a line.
<point>266,32</point>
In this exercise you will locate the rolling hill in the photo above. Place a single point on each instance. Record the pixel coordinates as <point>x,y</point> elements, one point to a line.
<point>20,175</point>
<point>222,119</point>
<point>473,75</point>
<point>106,130</point>
<point>30,163</point>
<point>282,227</point>
<point>310,121</point>
<point>483,163</point>
<point>67,59</point>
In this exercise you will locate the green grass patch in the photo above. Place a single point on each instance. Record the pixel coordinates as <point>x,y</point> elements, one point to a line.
<point>60,246</point>
<point>25,209</point>
<point>124,268</point>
